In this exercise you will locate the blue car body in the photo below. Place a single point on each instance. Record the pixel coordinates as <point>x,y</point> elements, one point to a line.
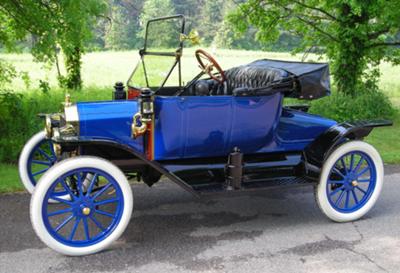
<point>196,127</point>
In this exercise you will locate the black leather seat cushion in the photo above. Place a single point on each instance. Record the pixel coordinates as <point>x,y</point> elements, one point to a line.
<point>252,75</point>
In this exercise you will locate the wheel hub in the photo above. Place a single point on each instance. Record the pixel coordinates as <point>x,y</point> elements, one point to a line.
<point>86,211</point>
<point>350,181</point>
<point>83,208</point>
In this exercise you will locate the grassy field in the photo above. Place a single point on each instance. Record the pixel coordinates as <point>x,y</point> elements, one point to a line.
<point>9,178</point>
<point>102,69</point>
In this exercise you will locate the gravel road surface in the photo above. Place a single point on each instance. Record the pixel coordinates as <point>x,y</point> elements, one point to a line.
<point>171,231</point>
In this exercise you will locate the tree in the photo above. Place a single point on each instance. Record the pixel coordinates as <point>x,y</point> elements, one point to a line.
<point>125,25</point>
<point>192,9</point>
<point>211,20</point>
<point>356,35</point>
<point>226,37</point>
<point>66,24</point>
<point>162,33</point>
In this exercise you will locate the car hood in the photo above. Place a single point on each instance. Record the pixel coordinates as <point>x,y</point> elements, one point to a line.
<point>110,120</point>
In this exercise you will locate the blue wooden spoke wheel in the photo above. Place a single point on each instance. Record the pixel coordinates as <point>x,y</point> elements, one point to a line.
<point>350,182</point>
<point>93,215</point>
<point>36,158</point>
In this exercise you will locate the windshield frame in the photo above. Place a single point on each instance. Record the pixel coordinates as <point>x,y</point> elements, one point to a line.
<point>177,54</point>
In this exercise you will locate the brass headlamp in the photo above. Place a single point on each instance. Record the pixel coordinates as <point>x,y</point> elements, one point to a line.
<point>48,126</point>
<point>63,124</point>
<point>52,121</point>
<point>145,114</point>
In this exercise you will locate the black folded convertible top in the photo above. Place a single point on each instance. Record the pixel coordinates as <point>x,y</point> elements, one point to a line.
<point>312,79</point>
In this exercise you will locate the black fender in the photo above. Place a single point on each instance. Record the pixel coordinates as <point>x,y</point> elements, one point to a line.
<point>76,141</point>
<point>318,151</point>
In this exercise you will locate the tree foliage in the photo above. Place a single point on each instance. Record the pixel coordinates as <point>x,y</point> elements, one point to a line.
<point>212,14</point>
<point>121,27</point>
<point>162,33</point>
<point>123,33</point>
<point>66,24</point>
<point>355,35</point>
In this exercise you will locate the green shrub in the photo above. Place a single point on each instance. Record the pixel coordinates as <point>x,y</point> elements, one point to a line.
<point>11,116</point>
<point>368,105</point>
<point>19,120</point>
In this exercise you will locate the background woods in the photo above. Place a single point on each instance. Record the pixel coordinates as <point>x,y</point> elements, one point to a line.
<point>354,35</point>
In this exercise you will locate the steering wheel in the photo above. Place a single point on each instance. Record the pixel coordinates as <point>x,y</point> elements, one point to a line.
<point>209,65</point>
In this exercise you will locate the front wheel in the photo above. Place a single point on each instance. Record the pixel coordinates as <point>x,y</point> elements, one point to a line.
<point>92,217</point>
<point>350,182</point>
<point>36,158</point>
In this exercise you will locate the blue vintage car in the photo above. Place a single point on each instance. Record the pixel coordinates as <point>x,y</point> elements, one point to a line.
<point>224,133</point>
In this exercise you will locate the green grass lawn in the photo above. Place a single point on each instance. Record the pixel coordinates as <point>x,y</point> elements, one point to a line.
<point>9,178</point>
<point>102,69</point>
<point>386,141</point>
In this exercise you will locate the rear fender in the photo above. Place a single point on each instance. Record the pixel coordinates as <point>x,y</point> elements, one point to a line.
<point>318,151</point>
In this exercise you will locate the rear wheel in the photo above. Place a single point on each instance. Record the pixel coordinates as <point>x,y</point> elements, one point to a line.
<point>92,217</point>
<point>350,182</point>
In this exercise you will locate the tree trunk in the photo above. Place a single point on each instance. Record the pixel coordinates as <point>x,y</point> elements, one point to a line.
<point>347,70</point>
<point>73,66</point>
<point>349,63</point>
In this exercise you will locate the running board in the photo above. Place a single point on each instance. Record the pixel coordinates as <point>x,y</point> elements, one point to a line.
<point>255,185</point>
<point>209,176</point>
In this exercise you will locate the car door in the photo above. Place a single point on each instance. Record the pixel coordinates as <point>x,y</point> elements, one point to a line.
<point>191,126</point>
<point>211,126</point>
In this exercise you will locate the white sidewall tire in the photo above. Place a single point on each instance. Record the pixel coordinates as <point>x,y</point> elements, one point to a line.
<point>321,194</point>
<point>24,157</point>
<point>47,180</point>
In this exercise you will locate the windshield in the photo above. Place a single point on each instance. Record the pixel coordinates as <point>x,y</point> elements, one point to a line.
<point>159,62</point>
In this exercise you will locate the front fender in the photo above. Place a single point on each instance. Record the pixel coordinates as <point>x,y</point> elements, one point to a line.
<point>77,141</point>
<point>318,151</point>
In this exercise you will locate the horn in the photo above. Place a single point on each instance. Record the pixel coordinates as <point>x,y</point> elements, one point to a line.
<point>193,37</point>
